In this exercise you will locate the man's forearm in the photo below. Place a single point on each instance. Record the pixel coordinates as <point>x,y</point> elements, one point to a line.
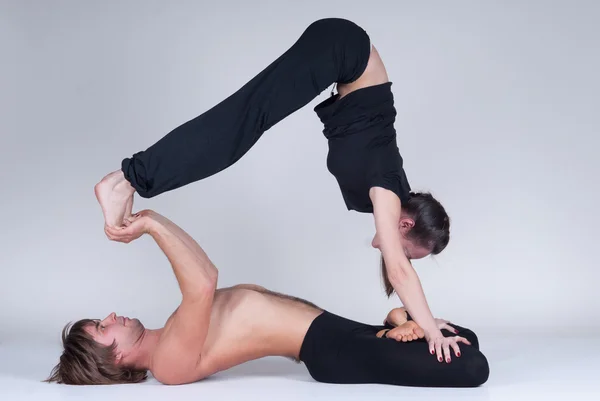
<point>193,269</point>
<point>179,232</point>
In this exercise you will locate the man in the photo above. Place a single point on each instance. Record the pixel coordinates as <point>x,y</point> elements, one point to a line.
<point>215,329</point>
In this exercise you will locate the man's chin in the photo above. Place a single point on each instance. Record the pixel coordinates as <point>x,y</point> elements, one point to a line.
<point>135,323</point>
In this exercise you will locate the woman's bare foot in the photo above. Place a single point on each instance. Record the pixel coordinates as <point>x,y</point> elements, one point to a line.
<point>115,195</point>
<point>408,331</point>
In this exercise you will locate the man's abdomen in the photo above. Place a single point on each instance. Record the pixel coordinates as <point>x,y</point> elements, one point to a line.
<point>248,324</point>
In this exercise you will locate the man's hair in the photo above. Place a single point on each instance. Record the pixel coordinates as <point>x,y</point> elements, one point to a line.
<point>84,361</point>
<point>431,229</point>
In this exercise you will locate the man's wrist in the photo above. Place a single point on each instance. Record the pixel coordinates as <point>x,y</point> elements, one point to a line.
<point>151,225</point>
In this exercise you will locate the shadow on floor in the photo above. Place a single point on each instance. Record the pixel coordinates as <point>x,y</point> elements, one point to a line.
<point>266,367</point>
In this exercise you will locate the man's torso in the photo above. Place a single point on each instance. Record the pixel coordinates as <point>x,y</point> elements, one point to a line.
<point>249,322</point>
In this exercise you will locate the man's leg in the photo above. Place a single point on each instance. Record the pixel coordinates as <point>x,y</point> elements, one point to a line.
<point>329,50</point>
<point>338,350</point>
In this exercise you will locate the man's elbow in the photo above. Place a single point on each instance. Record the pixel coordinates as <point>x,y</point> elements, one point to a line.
<point>201,288</point>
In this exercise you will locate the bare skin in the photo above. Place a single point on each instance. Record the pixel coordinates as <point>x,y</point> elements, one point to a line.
<point>115,195</point>
<point>245,324</point>
<point>213,329</point>
<point>404,329</point>
<point>408,330</point>
<point>374,74</point>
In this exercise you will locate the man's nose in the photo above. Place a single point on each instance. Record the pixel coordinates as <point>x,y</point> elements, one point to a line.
<point>110,318</point>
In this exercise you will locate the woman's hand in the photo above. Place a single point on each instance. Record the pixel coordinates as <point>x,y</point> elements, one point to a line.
<point>444,324</point>
<point>440,345</point>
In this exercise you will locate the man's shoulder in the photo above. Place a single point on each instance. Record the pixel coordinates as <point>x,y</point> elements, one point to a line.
<point>172,365</point>
<point>172,361</point>
<point>169,376</point>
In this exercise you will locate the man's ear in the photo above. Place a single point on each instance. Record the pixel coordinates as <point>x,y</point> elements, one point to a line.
<point>118,357</point>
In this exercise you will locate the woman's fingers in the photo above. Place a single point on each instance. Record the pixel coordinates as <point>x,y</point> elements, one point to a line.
<point>438,349</point>
<point>449,328</point>
<point>456,348</point>
<point>446,348</point>
<point>462,339</point>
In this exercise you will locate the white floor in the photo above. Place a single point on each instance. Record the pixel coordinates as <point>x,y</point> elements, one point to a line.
<point>521,369</point>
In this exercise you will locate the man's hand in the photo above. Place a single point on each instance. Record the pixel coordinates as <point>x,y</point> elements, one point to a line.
<point>134,227</point>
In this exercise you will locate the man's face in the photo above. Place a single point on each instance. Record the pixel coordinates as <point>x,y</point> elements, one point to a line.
<point>120,329</point>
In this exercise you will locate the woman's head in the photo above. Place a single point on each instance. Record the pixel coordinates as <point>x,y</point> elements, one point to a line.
<point>424,230</point>
<point>425,223</point>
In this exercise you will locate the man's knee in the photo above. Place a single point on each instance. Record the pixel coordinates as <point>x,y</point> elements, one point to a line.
<point>470,336</point>
<point>477,368</point>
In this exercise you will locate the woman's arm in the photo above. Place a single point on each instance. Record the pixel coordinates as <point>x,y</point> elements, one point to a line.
<point>402,276</point>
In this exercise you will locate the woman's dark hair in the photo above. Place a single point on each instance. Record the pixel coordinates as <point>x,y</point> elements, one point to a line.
<point>431,229</point>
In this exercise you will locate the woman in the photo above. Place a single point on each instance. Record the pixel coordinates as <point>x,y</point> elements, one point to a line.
<point>363,154</point>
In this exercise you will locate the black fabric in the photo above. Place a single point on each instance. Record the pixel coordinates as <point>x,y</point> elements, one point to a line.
<point>359,126</point>
<point>330,50</point>
<point>339,350</point>
<point>363,152</point>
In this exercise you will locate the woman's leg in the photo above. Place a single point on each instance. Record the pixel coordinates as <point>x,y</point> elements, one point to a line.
<point>329,50</point>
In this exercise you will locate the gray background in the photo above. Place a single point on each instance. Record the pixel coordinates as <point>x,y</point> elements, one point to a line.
<point>497,116</point>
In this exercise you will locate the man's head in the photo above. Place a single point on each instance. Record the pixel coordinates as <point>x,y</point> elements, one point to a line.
<point>101,352</point>
<point>424,230</point>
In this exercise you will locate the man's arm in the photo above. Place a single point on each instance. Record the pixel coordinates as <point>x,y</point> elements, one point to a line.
<point>178,357</point>
<point>192,267</point>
